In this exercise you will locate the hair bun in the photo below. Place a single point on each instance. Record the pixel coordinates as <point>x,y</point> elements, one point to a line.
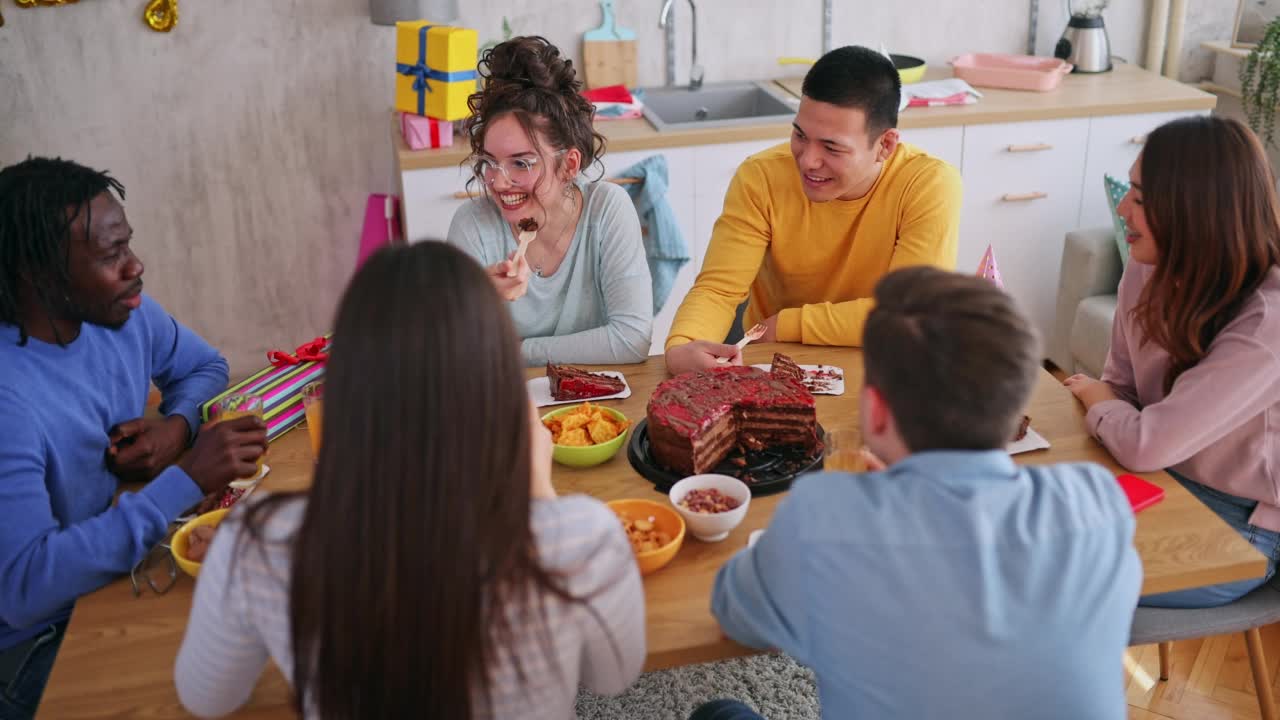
<point>530,62</point>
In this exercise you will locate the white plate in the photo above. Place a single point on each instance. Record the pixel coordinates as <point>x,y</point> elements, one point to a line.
<point>184,519</point>
<point>1031,441</point>
<point>251,482</point>
<point>540,390</point>
<point>834,387</point>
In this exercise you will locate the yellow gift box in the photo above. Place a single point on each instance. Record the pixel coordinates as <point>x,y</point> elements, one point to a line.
<point>435,69</point>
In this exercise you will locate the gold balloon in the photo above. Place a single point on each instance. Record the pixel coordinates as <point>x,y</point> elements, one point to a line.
<point>26,3</point>
<point>160,15</point>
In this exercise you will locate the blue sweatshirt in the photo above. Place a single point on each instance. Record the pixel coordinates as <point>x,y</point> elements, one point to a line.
<point>60,536</point>
<point>953,584</point>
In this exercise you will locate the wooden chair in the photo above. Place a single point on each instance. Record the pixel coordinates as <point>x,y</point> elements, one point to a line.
<point>1246,615</point>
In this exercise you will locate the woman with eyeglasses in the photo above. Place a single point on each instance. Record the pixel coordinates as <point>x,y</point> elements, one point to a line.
<point>430,571</point>
<point>581,293</point>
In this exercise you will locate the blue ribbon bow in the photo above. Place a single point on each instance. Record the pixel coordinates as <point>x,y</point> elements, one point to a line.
<point>421,73</point>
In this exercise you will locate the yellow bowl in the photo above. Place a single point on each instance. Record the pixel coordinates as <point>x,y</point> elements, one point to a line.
<point>178,545</point>
<point>666,519</point>
<point>910,69</point>
<point>586,456</point>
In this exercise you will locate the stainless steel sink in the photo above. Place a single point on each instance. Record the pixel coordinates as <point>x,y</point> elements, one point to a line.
<point>716,105</point>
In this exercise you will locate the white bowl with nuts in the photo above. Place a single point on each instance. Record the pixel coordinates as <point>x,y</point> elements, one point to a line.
<point>712,505</point>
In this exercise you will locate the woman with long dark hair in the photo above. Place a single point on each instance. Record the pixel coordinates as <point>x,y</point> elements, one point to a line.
<point>582,292</point>
<point>430,570</point>
<point>1192,379</point>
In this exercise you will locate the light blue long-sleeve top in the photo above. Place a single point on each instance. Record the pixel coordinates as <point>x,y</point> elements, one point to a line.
<point>598,305</point>
<point>60,536</point>
<point>953,584</point>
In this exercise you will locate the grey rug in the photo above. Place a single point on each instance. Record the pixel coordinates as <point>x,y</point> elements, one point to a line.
<point>775,685</point>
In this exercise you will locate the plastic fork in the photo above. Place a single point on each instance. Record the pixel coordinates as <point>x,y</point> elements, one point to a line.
<point>755,333</point>
<point>526,237</point>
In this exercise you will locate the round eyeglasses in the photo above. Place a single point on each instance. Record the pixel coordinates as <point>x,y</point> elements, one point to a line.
<point>519,171</point>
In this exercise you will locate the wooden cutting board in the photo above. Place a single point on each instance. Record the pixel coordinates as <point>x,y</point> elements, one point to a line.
<point>609,53</point>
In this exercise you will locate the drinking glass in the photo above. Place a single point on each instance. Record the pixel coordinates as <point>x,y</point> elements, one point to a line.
<point>238,405</point>
<point>843,451</point>
<point>313,405</point>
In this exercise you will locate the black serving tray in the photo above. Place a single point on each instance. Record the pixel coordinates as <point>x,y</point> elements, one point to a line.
<point>764,471</point>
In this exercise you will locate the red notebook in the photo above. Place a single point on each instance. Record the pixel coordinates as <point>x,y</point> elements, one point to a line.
<point>1142,494</point>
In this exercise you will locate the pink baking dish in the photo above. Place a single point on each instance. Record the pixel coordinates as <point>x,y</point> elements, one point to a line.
<point>1015,72</point>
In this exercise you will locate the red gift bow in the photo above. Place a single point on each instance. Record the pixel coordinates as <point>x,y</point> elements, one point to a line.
<point>313,351</point>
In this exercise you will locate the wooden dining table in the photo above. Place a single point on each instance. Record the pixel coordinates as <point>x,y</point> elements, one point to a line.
<point>118,654</point>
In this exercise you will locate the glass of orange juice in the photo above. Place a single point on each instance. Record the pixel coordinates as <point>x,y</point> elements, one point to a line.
<point>313,405</point>
<point>843,451</point>
<point>238,405</point>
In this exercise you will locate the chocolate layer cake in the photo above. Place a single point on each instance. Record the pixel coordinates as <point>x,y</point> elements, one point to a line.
<point>697,418</point>
<point>571,383</point>
<point>784,367</point>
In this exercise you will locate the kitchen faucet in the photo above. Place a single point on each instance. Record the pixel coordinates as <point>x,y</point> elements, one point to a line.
<point>665,21</point>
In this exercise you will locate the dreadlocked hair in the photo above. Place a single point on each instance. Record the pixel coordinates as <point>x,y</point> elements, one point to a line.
<point>39,200</point>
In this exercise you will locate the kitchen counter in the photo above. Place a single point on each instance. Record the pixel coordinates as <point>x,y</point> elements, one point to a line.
<point>1126,90</point>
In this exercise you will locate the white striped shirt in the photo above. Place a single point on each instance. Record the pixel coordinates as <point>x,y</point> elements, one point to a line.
<point>240,616</point>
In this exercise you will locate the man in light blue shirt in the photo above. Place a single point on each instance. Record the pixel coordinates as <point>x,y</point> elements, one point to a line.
<point>952,583</point>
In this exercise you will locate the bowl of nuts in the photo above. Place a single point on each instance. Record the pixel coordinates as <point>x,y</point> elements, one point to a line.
<point>192,540</point>
<point>711,504</point>
<point>655,531</point>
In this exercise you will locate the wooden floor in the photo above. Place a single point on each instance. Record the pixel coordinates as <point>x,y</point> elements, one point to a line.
<point>1209,679</point>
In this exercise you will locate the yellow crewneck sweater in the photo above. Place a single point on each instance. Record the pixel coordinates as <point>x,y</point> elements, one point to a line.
<point>815,264</point>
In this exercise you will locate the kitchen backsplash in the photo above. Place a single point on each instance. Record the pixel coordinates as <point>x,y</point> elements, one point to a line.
<point>742,39</point>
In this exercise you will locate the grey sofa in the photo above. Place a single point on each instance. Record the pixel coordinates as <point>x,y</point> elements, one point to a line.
<point>1086,301</point>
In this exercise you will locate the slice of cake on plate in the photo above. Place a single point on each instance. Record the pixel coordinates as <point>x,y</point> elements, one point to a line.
<point>571,383</point>
<point>784,367</point>
<point>1022,428</point>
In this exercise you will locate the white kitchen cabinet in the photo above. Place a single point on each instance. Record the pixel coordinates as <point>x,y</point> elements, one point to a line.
<point>427,201</point>
<point>680,194</point>
<point>944,143</point>
<point>1114,143</point>
<point>1022,194</point>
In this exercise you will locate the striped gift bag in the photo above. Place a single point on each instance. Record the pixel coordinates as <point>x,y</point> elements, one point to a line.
<point>280,385</point>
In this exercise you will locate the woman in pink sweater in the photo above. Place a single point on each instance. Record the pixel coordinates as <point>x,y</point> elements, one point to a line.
<point>1192,380</point>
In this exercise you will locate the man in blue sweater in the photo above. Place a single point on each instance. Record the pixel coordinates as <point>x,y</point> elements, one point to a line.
<point>80,346</point>
<point>952,583</point>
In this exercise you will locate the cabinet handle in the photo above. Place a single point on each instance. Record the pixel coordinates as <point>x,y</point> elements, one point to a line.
<point>1037,147</point>
<point>1020,197</point>
<point>1138,140</point>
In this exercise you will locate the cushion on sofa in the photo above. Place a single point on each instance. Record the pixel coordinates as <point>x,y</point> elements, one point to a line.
<point>1116,190</point>
<point>1091,334</point>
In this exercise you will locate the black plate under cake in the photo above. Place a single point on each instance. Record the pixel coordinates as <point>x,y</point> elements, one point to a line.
<point>764,471</point>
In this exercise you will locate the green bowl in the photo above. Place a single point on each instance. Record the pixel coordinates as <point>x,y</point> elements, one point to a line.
<point>575,456</point>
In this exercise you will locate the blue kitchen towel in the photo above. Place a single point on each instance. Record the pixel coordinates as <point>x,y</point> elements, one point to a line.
<point>664,246</point>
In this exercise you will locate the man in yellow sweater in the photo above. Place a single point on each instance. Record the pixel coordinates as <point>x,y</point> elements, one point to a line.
<point>808,229</point>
